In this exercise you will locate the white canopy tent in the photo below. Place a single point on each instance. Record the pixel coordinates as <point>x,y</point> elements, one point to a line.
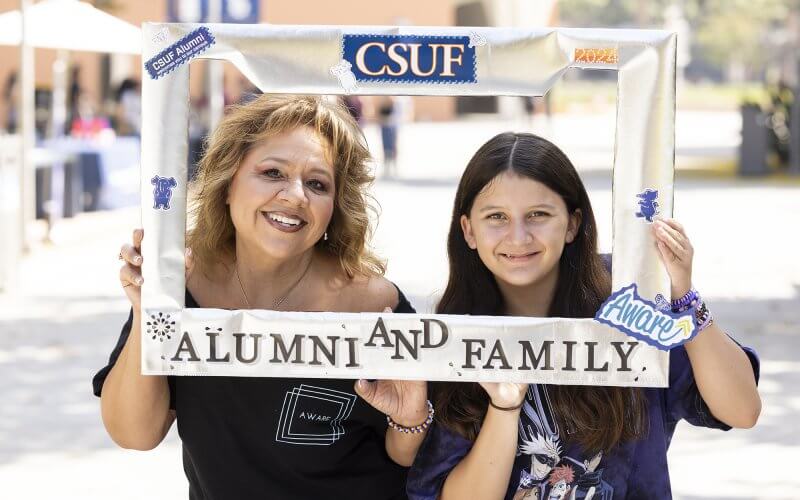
<point>71,25</point>
<point>63,25</point>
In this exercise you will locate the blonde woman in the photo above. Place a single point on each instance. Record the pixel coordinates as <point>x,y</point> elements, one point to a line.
<point>281,222</point>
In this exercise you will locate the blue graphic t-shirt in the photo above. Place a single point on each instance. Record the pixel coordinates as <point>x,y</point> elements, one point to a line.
<point>548,467</point>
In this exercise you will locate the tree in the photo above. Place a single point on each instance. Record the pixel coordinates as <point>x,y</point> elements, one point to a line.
<point>725,32</point>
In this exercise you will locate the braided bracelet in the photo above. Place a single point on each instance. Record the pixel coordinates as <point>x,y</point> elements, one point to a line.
<point>417,428</point>
<point>507,408</point>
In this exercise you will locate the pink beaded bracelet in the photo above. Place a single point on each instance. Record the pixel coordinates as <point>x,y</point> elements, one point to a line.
<point>417,428</point>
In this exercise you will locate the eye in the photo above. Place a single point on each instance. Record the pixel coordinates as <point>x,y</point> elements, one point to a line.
<point>496,216</point>
<point>317,185</point>
<point>272,173</point>
<point>537,214</point>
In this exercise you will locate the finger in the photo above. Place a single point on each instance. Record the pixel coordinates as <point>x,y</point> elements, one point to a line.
<point>138,235</point>
<point>674,224</point>
<point>129,275</point>
<point>366,389</point>
<point>667,235</point>
<point>387,309</point>
<point>130,255</point>
<point>678,232</point>
<point>667,255</point>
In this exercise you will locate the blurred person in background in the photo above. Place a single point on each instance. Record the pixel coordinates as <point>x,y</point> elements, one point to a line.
<point>388,116</point>
<point>354,106</point>
<point>128,110</point>
<point>11,96</point>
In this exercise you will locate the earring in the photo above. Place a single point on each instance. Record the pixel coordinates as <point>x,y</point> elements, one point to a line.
<point>325,236</point>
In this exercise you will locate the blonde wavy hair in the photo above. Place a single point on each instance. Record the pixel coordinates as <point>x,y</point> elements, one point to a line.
<point>212,235</point>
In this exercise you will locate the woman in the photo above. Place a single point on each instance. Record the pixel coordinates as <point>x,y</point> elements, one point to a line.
<point>523,242</point>
<point>280,222</point>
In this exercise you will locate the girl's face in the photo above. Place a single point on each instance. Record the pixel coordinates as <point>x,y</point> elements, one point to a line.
<point>281,197</point>
<point>519,228</point>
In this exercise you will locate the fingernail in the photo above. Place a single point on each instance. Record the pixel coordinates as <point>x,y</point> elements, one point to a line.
<point>188,252</point>
<point>137,260</point>
<point>361,383</point>
<point>139,281</point>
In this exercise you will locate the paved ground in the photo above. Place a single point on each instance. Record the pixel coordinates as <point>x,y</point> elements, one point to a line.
<point>60,324</point>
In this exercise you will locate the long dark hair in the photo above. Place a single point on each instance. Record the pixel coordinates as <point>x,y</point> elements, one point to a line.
<point>597,418</point>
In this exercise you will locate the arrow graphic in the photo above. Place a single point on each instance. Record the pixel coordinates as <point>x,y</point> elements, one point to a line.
<point>686,325</point>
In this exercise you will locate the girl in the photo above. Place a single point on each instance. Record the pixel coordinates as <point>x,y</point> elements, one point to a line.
<point>523,241</point>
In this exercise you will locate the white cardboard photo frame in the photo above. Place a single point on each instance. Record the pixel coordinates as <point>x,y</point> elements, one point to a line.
<point>307,60</point>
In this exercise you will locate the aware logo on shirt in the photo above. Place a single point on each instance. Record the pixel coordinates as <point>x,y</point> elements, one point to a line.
<point>313,415</point>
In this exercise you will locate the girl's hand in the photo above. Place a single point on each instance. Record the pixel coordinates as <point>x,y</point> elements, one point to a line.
<point>505,394</point>
<point>130,274</point>
<point>676,253</point>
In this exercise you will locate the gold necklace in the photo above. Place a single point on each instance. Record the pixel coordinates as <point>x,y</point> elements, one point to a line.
<point>277,302</point>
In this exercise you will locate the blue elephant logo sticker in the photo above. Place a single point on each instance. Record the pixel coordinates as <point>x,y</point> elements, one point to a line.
<point>648,206</point>
<point>162,192</point>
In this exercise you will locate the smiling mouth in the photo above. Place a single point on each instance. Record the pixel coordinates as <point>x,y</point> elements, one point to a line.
<point>519,257</point>
<point>284,222</point>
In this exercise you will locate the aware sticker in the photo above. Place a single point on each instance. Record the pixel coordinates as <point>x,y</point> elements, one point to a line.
<point>629,313</point>
<point>180,52</point>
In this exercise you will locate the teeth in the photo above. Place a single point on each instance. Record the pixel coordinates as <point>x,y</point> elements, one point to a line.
<point>285,220</point>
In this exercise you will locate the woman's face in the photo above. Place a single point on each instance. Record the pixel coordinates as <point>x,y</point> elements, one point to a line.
<point>281,197</point>
<point>519,228</point>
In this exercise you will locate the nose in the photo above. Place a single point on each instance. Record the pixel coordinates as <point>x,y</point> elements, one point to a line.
<point>294,192</point>
<point>519,233</point>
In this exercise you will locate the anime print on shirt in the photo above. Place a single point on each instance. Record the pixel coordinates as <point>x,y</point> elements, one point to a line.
<point>551,474</point>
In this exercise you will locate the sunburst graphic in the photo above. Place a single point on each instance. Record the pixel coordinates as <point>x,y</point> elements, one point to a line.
<point>160,327</point>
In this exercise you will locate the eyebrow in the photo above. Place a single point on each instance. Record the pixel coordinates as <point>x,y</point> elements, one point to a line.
<point>497,207</point>
<point>284,161</point>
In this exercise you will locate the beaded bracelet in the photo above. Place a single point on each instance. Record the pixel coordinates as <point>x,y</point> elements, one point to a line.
<point>686,302</point>
<point>702,316</point>
<point>417,428</point>
<point>692,300</point>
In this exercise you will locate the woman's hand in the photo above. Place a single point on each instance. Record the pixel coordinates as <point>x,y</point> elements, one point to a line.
<point>676,253</point>
<point>130,274</point>
<point>405,401</point>
<point>505,394</point>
